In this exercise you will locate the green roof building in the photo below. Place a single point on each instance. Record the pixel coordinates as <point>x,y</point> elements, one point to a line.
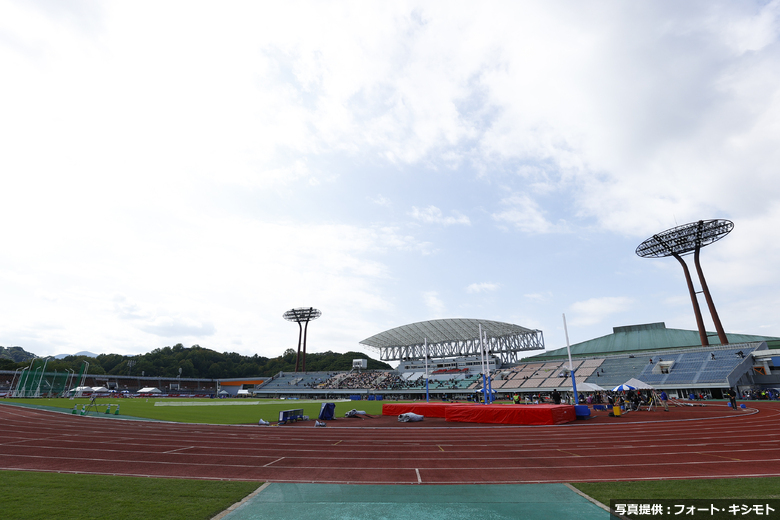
<point>635,339</point>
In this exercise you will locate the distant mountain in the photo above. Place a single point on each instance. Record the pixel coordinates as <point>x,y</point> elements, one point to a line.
<point>82,353</point>
<point>16,354</point>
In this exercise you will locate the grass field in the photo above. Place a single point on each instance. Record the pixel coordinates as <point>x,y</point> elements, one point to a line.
<point>212,411</point>
<point>736,488</point>
<point>32,496</point>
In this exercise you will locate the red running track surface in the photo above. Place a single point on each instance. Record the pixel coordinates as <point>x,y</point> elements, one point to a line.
<point>696,442</point>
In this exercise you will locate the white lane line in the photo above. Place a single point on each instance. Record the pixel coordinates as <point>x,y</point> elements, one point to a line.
<point>179,449</point>
<point>274,462</point>
<point>419,480</point>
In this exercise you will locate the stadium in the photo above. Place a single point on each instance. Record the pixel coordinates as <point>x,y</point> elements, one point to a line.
<point>448,351</point>
<point>667,359</point>
<point>471,466</point>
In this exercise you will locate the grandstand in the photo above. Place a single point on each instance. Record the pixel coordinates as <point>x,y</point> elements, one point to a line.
<point>668,359</point>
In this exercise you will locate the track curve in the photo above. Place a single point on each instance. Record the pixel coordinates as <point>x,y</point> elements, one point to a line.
<point>722,444</point>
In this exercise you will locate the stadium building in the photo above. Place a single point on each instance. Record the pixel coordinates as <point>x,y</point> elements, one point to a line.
<point>450,353</point>
<point>453,355</point>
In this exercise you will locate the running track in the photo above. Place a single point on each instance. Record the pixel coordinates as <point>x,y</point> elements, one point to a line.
<point>686,443</point>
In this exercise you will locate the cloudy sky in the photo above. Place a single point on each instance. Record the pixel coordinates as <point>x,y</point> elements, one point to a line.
<point>185,172</point>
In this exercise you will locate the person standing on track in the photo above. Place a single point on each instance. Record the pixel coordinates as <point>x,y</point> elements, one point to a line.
<point>664,399</point>
<point>732,397</point>
<point>556,396</point>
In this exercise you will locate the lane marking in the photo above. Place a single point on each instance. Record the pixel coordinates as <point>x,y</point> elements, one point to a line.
<point>419,480</point>
<point>274,462</point>
<point>716,455</point>
<point>179,449</point>
<point>337,443</point>
<point>569,453</point>
<point>440,448</point>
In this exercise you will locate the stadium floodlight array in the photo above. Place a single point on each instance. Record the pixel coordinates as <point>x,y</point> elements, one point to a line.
<point>683,240</point>
<point>302,315</point>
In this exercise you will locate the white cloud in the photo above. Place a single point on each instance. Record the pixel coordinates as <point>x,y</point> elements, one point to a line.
<point>525,214</point>
<point>434,304</point>
<point>379,200</point>
<point>219,165</point>
<point>596,310</point>
<point>433,215</point>
<point>482,287</point>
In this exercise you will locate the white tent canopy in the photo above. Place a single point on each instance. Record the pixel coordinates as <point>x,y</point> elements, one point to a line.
<point>99,389</point>
<point>641,385</point>
<point>589,387</point>
<point>149,390</point>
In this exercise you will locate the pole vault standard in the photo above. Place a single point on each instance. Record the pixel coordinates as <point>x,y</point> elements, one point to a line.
<point>490,376</point>
<point>684,240</point>
<point>487,388</point>
<point>427,389</point>
<point>302,315</point>
<point>571,366</point>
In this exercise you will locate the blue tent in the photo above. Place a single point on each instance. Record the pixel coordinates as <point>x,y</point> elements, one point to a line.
<point>327,411</point>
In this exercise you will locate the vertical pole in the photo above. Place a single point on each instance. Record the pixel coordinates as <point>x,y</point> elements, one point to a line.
<point>11,390</point>
<point>305,333</point>
<point>710,304</point>
<point>298,355</point>
<point>22,381</point>
<point>696,309</point>
<point>32,382</point>
<point>427,392</point>
<point>484,367</point>
<point>571,365</point>
<point>40,379</point>
<point>487,364</point>
<point>83,374</point>
<point>69,381</point>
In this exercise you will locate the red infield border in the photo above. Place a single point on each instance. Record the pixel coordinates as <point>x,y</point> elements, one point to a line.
<point>690,442</point>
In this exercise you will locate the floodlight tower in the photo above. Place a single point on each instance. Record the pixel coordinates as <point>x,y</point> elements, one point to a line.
<point>681,241</point>
<point>302,315</point>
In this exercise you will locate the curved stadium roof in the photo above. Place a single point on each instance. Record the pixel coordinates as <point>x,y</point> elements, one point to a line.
<point>440,331</point>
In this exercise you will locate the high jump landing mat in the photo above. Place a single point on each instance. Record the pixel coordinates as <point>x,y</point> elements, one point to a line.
<point>537,414</point>
<point>371,502</point>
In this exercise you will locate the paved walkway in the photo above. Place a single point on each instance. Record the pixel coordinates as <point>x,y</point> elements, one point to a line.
<point>369,502</point>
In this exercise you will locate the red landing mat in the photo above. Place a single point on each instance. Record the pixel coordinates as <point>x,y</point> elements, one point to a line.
<point>487,414</point>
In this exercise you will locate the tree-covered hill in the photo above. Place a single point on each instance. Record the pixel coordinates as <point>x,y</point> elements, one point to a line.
<point>15,354</point>
<point>200,362</point>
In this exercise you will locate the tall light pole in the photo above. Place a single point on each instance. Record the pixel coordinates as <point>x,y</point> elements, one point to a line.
<point>302,315</point>
<point>684,240</point>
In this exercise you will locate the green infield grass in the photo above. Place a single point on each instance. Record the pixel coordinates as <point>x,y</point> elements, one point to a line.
<point>208,411</point>
<point>28,495</point>
<point>734,488</point>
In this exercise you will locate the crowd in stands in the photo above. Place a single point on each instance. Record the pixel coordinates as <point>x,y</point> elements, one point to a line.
<point>358,380</point>
<point>379,381</point>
